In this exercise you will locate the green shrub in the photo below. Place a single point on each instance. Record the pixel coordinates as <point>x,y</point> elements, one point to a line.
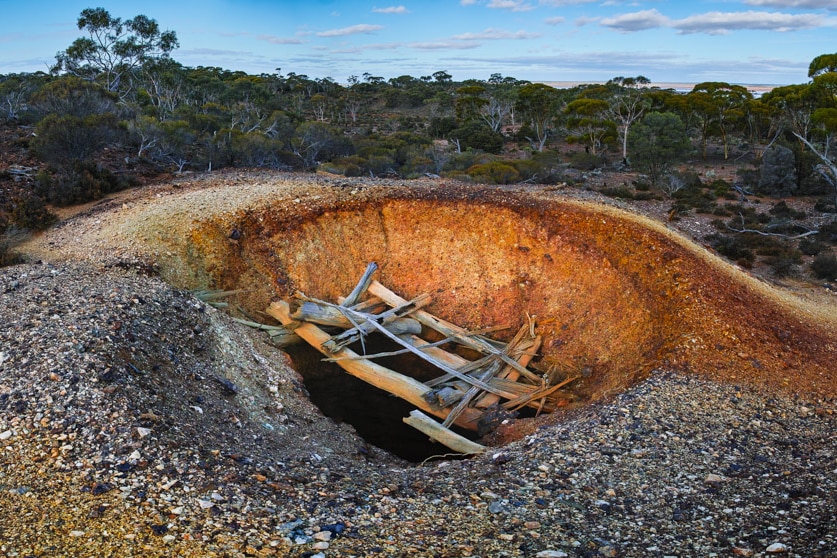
<point>722,189</point>
<point>733,248</point>
<point>824,266</point>
<point>585,161</point>
<point>784,211</point>
<point>86,182</point>
<point>622,192</point>
<point>29,212</point>
<point>784,262</point>
<point>811,247</point>
<point>494,172</point>
<point>828,232</point>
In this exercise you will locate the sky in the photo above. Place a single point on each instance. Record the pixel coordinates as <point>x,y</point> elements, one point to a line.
<point>753,42</point>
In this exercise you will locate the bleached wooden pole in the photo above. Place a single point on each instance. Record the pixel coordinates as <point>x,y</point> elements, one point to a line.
<point>436,431</point>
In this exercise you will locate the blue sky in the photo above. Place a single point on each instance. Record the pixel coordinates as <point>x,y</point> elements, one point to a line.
<point>737,41</point>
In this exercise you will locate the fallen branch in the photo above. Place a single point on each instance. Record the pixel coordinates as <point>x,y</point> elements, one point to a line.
<point>765,233</point>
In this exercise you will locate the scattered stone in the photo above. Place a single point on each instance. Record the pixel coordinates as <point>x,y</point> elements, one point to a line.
<point>608,551</point>
<point>5,435</point>
<point>496,506</point>
<point>322,536</point>
<point>776,548</point>
<point>551,554</point>
<point>713,479</point>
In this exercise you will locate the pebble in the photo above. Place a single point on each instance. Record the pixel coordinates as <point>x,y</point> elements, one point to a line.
<point>322,535</point>
<point>320,545</point>
<point>551,554</point>
<point>776,548</point>
<point>5,435</point>
<point>496,506</point>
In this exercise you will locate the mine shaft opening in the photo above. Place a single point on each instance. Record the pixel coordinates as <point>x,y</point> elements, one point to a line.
<point>610,297</point>
<point>375,414</point>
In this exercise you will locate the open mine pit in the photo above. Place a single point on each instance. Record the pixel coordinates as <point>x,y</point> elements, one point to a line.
<point>614,299</point>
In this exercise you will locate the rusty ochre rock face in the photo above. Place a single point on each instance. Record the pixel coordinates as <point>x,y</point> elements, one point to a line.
<point>614,294</point>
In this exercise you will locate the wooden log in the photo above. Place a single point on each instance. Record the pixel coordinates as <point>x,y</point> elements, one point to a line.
<point>448,329</point>
<point>443,397</point>
<point>406,388</point>
<point>436,431</point>
<point>359,290</point>
<point>363,323</point>
<point>330,315</point>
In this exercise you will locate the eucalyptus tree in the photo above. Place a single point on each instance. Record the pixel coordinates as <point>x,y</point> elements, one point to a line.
<point>114,50</point>
<point>628,103</point>
<point>539,105</point>
<point>501,94</point>
<point>588,123</point>
<point>764,125</point>
<point>469,102</point>
<point>719,107</point>
<point>658,143</point>
<point>823,72</point>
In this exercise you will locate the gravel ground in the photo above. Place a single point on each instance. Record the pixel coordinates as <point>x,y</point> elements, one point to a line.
<point>137,421</point>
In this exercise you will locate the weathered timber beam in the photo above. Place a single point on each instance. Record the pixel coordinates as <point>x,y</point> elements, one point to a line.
<point>406,388</point>
<point>356,294</point>
<point>436,431</point>
<point>364,324</point>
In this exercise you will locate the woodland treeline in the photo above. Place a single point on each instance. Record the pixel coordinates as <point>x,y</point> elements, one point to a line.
<point>117,107</point>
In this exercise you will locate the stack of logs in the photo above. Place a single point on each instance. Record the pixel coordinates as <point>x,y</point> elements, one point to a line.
<point>467,393</point>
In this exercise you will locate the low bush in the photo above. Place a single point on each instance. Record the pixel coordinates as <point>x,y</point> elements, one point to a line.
<point>86,182</point>
<point>811,247</point>
<point>824,266</point>
<point>494,172</point>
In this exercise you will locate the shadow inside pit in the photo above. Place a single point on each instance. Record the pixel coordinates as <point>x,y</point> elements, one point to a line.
<point>373,413</point>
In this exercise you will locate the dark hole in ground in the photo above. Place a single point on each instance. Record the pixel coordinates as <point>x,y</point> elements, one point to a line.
<point>375,414</point>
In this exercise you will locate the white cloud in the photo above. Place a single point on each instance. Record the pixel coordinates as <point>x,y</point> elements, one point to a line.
<point>362,28</point>
<point>554,20</point>
<point>363,48</point>
<point>637,21</point>
<point>714,23</point>
<point>391,10</point>
<point>280,40</point>
<point>444,45</point>
<point>513,5</point>
<point>805,4</point>
<point>718,23</point>
<point>582,21</point>
<point>494,35</point>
